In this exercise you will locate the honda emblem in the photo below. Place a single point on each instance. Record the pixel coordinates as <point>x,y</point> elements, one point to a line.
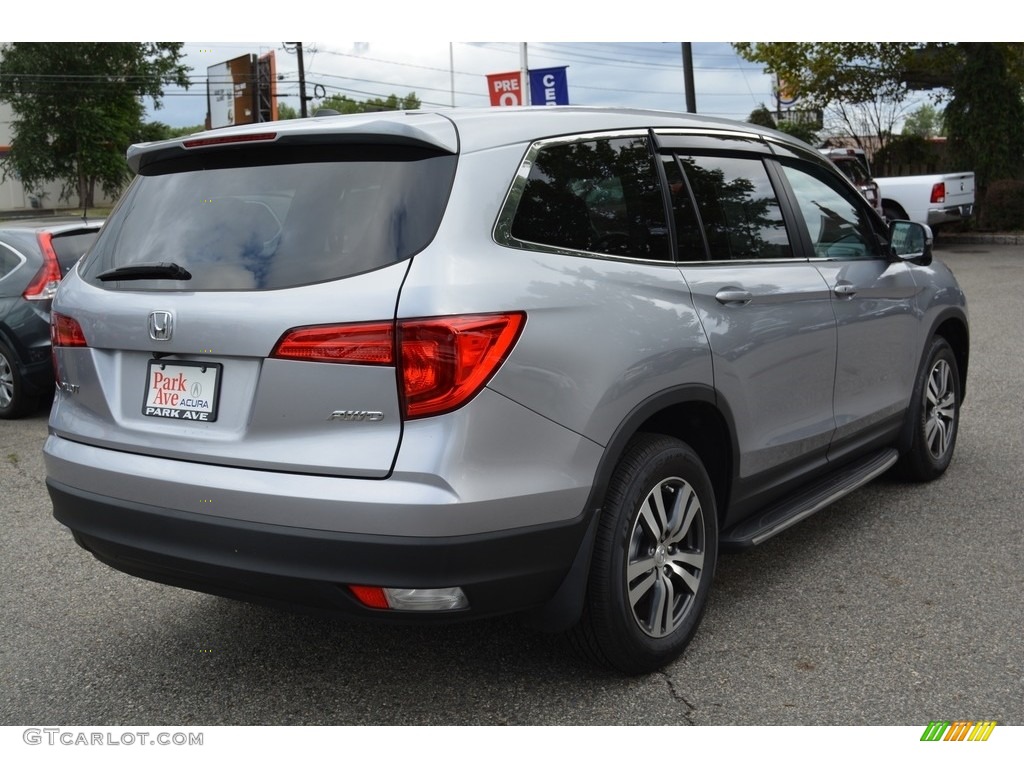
<point>161,325</point>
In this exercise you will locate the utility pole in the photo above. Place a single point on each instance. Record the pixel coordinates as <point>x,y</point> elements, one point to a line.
<point>691,97</point>
<point>302,79</point>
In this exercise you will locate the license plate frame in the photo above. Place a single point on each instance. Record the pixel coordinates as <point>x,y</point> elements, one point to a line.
<point>183,390</point>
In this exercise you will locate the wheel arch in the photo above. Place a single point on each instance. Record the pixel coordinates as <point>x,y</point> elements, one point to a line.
<point>953,328</point>
<point>694,414</point>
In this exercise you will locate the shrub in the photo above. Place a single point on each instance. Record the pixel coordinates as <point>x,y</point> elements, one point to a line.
<point>1004,204</point>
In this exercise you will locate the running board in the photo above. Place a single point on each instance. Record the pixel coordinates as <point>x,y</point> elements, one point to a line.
<point>819,494</point>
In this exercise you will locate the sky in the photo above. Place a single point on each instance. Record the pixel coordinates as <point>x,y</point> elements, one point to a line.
<point>405,44</point>
<point>642,74</point>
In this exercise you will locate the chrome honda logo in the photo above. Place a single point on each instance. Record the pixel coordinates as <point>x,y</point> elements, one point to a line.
<point>161,325</point>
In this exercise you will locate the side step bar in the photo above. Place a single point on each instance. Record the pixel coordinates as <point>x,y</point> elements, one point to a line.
<point>819,494</point>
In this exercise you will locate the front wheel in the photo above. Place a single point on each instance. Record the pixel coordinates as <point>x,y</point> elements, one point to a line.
<point>934,414</point>
<point>654,558</point>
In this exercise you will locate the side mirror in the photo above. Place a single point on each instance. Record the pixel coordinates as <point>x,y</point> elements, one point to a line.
<point>910,241</point>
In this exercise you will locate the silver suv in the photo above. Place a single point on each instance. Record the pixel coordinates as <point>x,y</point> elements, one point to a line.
<point>440,365</point>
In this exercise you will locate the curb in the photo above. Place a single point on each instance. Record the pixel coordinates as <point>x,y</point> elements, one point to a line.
<point>980,238</point>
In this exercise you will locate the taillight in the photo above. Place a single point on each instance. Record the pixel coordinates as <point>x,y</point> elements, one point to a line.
<point>443,362</point>
<point>66,332</point>
<point>356,344</point>
<point>44,284</point>
<point>939,192</point>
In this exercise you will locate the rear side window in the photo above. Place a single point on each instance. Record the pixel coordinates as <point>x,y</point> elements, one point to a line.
<point>738,208</point>
<point>276,218</point>
<point>601,196</point>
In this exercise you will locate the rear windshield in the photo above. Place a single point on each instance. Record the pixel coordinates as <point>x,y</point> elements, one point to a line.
<point>269,218</point>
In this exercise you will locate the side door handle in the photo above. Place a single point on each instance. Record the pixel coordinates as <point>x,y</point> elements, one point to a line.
<point>846,290</point>
<point>733,296</point>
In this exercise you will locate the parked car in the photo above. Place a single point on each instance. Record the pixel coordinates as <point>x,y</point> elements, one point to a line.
<point>934,199</point>
<point>854,165</point>
<point>437,365</point>
<point>33,257</point>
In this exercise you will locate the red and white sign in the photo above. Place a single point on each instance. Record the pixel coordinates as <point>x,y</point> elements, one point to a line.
<point>506,89</point>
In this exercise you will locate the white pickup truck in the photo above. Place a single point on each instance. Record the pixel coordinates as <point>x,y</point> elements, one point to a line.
<point>934,199</point>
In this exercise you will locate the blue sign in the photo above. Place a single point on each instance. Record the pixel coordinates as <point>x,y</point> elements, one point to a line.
<point>549,86</point>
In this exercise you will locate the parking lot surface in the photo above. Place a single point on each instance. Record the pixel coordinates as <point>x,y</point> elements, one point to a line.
<point>898,605</point>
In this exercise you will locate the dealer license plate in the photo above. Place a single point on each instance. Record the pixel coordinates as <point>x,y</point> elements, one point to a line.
<point>182,390</point>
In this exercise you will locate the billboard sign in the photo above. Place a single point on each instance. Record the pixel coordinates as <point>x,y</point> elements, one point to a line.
<point>230,92</point>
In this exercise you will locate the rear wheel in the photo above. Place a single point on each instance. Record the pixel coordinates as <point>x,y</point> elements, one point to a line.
<point>654,558</point>
<point>935,414</point>
<point>14,400</point>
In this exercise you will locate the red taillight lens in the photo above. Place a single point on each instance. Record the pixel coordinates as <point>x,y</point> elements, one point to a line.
<point>446,361</point>
<point>939,193</point>
<point>44,284</point>
<point>442,361</point>
<point>358,344</point>
<point>65,331</point>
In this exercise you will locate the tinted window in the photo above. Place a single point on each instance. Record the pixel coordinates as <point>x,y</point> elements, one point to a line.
<point>261,221</point>
<point>71,246</point>
<point>837,225</point>
<point>601,196</point>
<point>738,208</point>
<point>689,240</point>
<point>9,261</point>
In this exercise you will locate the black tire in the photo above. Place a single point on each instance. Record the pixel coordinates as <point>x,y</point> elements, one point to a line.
<point>652,568</point>
<point>934,414</point>
<point>14,400</point>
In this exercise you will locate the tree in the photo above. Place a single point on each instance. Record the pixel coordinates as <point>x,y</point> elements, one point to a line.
<point>762,116</point>
<point>984,83</point>
<point>286,112</point>
<point>925,121</point>
<point>347,106</point>
<point>77,107</point>
<point>859,86</point>
<point>985,117</point>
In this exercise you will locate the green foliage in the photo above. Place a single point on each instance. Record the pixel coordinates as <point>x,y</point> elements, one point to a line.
<point>907,154</point>
<point>77,107</point>
<point>762,116</point>
<point>821,73</point>
<point>286,112</point>
<point>985,117</point>
<point>925,121</point>
<point>1004,205</point>
<point>347,106</point>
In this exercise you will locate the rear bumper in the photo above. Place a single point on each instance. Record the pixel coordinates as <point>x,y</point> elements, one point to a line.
<point>949,214</point>
<point>499,572</point>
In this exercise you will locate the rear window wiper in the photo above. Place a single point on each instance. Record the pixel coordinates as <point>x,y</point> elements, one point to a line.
<point>161,271</point>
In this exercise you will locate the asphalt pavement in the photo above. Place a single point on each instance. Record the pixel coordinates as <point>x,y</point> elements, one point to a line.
<point>898,605</point>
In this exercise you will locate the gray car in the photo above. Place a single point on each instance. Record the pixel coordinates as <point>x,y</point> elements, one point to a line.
<point>430,366</point>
